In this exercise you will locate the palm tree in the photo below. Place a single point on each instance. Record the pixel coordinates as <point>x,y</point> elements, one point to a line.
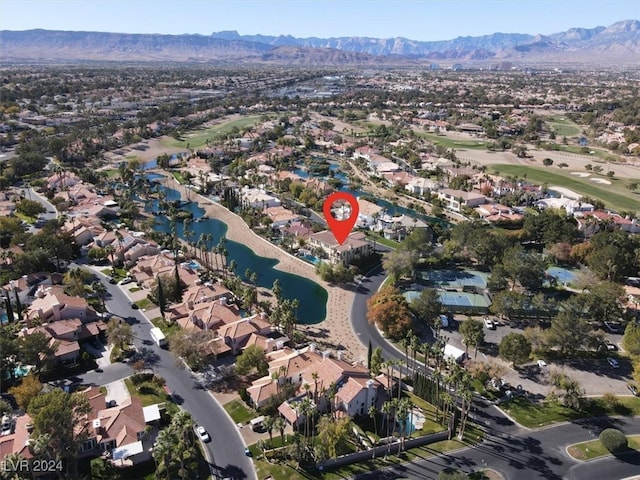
<point>164,450</point>
<point>101,291</point>
<point>269,423</point>
<point>279,424</point>
<point>372,415</point>
<point>387,408</point>
<point>315,377</point>
<point>414,343</point>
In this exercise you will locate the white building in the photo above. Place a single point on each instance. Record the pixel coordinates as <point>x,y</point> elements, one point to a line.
<point>259,198</point>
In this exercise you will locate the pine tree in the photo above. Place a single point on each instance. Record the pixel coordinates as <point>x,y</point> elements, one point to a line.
<point>9,309</point>
<point>18,304</point>
<point>161,298</point>
<point>369,355</point>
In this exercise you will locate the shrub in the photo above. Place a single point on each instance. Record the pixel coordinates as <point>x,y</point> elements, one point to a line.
<point>610,400</point>
<point>613,440</point>
<point>244,395</point>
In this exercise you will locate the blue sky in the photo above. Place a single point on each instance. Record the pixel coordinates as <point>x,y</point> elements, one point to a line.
<point>414,19</point>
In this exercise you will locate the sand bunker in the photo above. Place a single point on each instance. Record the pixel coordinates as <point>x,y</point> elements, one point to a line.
<point>600,180</point>
<point>580,174</point>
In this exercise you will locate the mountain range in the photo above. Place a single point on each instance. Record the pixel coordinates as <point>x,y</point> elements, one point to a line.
<point>618,43</point>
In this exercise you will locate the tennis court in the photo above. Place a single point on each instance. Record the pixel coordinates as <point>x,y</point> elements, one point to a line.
<point>562,275</point>
<point>463,299</point>
<point>455,300</point>
<point>455,278</point>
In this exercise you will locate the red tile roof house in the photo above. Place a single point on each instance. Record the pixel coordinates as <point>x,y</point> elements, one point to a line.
<point>65,320</point>
<point>356,245</point>
<point>356,391</point>
<point>120,430</point>
<point>149,268</point>
<point>17,442</point>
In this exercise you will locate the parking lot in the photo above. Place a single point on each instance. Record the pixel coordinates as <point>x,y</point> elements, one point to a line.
<point>596,376</point>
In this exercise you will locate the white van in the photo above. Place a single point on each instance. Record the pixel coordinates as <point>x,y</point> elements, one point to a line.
<point>257,423</point>
<point>158,337</point>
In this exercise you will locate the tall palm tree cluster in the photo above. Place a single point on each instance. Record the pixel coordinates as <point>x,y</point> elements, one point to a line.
<point>175,450</point>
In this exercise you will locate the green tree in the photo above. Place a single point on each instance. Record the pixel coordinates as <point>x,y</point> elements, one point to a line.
<point>252,357</point>
<point>631,339</point>
<point>376,361</point>
<point>472,332</point>
<point>613,440</point>
<point>35,349</point>
<point>428,307</point>
<point>101,292</point>
<point>603,301</point>
<point>162,301</point>
<point>30,208</point>
<point>399,263</point>
<point>569,332</point>
<point>58,414</point>
<point>192,347</point>
<point>119,333</point>
<point>515,348</point>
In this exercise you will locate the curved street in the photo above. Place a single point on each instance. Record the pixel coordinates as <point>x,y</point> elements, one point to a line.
<point>512,450</point>
<point>226,449</point>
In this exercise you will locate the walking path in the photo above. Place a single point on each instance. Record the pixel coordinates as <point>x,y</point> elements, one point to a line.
<point>335,331</point>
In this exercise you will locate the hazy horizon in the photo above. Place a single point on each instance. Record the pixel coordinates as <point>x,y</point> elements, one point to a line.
<point>422,20</point>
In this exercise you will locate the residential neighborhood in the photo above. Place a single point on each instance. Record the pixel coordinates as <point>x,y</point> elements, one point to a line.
<point>174,302</point>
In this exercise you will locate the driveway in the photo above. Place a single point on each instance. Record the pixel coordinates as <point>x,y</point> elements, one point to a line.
<point>117,391</point>
<point>101,354</point>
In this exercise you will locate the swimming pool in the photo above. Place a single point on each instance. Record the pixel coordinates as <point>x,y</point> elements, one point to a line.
<point>311,259</point>
<point>193,265</point>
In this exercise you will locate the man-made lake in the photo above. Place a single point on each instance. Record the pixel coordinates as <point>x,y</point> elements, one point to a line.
<point>390,208</point>
<point>312,297</point>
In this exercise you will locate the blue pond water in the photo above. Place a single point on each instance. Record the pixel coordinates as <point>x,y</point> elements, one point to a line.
<point>312,297</point>
<point>391,208</point>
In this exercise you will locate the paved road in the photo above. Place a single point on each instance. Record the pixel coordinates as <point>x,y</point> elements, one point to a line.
<point>514,451</point>
<point>227,447</point>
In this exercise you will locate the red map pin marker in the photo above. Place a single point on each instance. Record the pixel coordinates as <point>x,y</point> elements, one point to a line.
<point>341,228</point>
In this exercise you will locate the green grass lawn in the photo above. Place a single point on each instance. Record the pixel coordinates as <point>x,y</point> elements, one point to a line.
<point>145,304</point>
<point>198,138</point>
<point>616,195</point>
<point>179,178</point>
<point>167,329</point>
<point>563,127</point>
<point>381,240</point>
<point>595,449</point>
<point>239,411</point>
<point>113,173</point>
<point>452,142</point>
<point>150,394</point>
<point>540,414</point>
<point>24,217</point>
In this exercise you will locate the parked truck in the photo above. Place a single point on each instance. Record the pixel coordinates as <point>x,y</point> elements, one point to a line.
<point>158,337</point>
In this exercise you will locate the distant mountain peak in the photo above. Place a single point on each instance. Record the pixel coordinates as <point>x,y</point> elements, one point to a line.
<point>618,43</point>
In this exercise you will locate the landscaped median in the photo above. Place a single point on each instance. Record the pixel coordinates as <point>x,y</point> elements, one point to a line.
<point>595,448</point>
<point>282,455</point>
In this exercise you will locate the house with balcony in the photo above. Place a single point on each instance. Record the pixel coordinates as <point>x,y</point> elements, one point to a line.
<point>313,373</point>
<point>119,432</point>
<point>355,246</point>
<point>457,200</point>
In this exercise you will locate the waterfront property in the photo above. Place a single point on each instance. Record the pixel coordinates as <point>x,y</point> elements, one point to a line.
<point>355,246</point>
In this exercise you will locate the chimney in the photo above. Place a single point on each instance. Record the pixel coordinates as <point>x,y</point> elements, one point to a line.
<point>340,355</point>
<point>190,305</point>
<point>326,354</point>
<point>312,347</point>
